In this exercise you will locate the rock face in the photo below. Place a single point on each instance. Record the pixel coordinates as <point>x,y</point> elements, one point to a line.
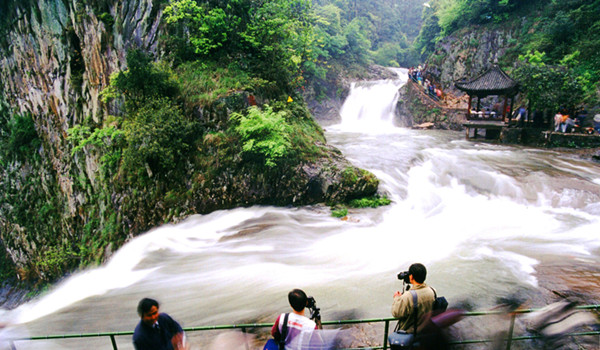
<point>416,108</point>
<point>55,59</point>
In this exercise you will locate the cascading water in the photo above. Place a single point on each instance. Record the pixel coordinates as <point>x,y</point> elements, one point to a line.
<point>371,104</point>
<point>481,217</point>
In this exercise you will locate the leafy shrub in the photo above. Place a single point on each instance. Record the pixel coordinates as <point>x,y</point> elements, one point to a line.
<point>18,138</point>
<point>107,140</point>
<point>265,135</point>
<point>54,260</point>
<point>339,213</point>
<point>141,82</point>
<point>158,137</point>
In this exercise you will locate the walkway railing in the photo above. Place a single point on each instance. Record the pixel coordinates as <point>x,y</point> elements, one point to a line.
<point>510,337</point>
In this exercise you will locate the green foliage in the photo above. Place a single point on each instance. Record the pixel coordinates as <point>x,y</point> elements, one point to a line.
<point>455,14</point>
<point>18,137</point>
<point>209,29</point>
<point>81,136</point>
<point>269,37</point>
<point>341,210</point>
<point>54,260</point>
<point>369,202</point>
<point>350,175</point>
<point>203,83</point>
<point>265,135</point>
<point>339,213</point>
<point>356,33</point>
<point>107,19</point>
<point>7,267</point>
<point>430,31</point>
<point>158,138</point>
<point>550,86</point>
<point>108,141</point>
<point>141,82</point>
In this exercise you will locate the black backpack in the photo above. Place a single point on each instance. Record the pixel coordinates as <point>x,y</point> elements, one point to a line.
<point>440,304</point>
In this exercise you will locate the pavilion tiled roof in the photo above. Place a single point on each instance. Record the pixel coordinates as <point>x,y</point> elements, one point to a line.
<point>492,82</point>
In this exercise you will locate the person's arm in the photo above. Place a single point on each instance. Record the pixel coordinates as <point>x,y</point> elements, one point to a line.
<point>178,341</point>
<point>175,328</point>
<point>275,330</point>
<point>400,306</point>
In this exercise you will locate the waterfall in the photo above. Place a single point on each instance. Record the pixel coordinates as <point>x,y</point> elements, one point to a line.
<point>370,105</point>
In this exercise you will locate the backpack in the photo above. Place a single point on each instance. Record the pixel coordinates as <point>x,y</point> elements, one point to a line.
<point>273,344</point>
<point>440,304</point>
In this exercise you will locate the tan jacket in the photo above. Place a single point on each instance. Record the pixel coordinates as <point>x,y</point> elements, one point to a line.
<point>402,307</point>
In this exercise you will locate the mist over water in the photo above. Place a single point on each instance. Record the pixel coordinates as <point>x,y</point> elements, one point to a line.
<point>479,216</point>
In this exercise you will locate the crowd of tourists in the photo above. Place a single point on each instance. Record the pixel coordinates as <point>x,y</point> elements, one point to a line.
<point>418,76</point>
<point>576,122</point>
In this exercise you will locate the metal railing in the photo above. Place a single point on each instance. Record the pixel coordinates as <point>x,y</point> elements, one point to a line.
<point>510,337</point>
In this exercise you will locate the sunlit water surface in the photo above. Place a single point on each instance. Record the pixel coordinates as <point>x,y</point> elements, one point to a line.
<point>479,216</point>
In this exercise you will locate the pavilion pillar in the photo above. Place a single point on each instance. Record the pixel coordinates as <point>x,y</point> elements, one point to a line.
<point>504,110</point>
<point>469,110</point>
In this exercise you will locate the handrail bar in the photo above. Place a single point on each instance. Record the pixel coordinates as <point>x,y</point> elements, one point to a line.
<point>387,320</point>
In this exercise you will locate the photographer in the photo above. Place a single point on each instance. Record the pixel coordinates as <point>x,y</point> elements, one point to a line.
<point>402,307</point>
<point>296,333</point>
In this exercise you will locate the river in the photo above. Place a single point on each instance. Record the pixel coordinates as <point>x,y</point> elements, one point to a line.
<point>480,216</point>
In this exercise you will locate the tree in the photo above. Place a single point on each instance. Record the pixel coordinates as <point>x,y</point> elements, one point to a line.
<point>551,87</point>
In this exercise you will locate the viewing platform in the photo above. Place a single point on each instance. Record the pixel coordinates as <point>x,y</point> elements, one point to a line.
<point>492,127</point>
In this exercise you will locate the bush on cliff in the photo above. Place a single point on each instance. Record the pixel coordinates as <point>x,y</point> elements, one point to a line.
<point>264,135</point>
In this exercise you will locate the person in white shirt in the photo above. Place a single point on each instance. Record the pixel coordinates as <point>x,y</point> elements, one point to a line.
<point>299,328</point>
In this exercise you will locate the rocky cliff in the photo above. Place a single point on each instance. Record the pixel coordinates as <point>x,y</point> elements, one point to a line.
<point>57,211</point>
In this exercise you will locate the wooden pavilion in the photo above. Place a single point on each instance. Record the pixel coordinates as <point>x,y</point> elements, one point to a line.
<point>493,82</point>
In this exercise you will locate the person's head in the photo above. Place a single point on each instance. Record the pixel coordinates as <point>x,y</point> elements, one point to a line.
<point>297,299</point>
<point>418,272</point>
<point>148,311</point>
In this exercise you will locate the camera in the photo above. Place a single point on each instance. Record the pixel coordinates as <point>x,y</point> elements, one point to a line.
<point>315,312</point>
<point>403,276</point>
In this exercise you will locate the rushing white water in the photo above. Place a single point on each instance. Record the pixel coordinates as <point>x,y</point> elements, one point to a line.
<point>479,216</point>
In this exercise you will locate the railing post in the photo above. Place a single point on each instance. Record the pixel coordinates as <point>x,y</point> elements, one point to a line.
<point>114,343</point>
<point>385,334</point>
<point>245,339</point>
<point>510,330</point>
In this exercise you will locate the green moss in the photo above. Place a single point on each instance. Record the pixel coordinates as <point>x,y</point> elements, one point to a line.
<point>369,202</point>
<point>339,213</point>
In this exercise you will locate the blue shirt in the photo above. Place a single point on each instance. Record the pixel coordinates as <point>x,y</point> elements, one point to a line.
<point>149,338</point>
